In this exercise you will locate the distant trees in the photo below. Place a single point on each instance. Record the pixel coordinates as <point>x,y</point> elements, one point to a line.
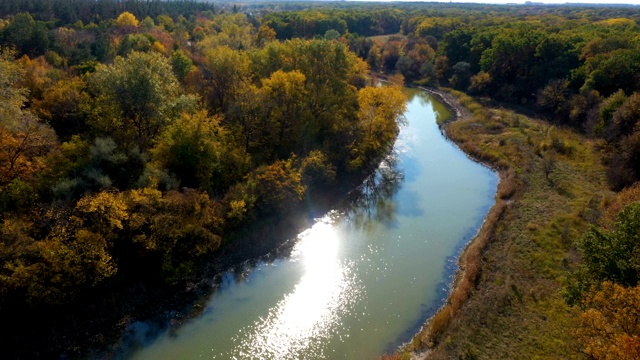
<point>127,19</point>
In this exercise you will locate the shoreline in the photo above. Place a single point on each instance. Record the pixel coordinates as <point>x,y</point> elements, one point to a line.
<point>506,296</point>
<point>467,268</point>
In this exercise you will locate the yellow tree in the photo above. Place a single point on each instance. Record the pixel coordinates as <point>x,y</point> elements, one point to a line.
<point>277,187</point>
<point>378,122</point>
<point>285,98</point>
<point>224,73</point>
<point>265,35</point>
<point>127,19</point>
<point>23,138</point>
<point>610,327</point>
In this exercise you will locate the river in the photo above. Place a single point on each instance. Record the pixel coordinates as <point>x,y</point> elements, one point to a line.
<point>357,283</point>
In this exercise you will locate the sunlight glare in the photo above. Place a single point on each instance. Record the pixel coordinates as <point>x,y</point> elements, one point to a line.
<point>312,311</point>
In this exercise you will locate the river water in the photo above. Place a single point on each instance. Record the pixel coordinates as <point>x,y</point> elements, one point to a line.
<point>357,283</point>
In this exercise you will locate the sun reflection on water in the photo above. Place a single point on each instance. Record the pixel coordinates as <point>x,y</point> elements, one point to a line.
<point>311,313</point>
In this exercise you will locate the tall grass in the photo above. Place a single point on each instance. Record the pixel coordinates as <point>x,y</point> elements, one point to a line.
<point>505,301</point>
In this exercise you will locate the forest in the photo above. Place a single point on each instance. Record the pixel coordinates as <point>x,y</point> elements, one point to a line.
<point>137,137</point>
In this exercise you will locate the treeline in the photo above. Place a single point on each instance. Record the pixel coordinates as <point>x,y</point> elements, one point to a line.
<point>316,22</point>
<point>132,148</point>
<point>66,12</point>
<point>578,69</point>
<point>576,65</point>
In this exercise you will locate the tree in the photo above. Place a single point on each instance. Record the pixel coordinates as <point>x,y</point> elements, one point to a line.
<point>316,170</point>
<point>26,35</point>
<point>331,34</point>
<point>265,35</point>
<point>223,75</point>
<point>461,75</point>
<point>200,153</point>
<point>127,19</point>
<point>23,138</point>
<point>169,232</point>
<point>610,327</point>
<point>626,117</point>
<point>277,187</point>
<point>285,96</point>
<point>12,97</point>
<point>55,269</point>
<point>65,107</point>
<point>609,255</point>
<point>379,114</point>
<point>612,71</point>
<point>246,119</point>
<point>553,97</point>
<point>24,142</point>
<point>608,107</point>
<point>135,98</point>
<point>181,64</point>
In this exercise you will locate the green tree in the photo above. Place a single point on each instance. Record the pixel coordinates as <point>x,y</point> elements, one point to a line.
<point>609,72</point>
<point>609,107</point>
<point>609,255</point>
<point>181,64</point>
<point>26,35</point>
<point>200,154</point>
<point>136,98</point>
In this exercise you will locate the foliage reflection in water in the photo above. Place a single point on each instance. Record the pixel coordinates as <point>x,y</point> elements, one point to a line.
<point>357,283</point>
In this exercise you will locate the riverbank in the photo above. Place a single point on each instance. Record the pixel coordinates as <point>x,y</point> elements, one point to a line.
<point>506,298</point>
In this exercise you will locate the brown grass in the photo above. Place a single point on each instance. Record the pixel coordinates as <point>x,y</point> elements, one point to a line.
<point>383,39</point>
<point>466,277</point>
<point>395,356</point>
<point>506,300</point>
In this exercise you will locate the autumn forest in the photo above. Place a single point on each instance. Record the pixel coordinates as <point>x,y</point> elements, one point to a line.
<point>139,139</point>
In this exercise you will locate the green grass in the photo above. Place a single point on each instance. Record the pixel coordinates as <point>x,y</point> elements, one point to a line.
<point>507,301</point>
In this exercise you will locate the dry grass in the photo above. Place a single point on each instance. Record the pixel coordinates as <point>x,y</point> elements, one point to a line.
<point>383,39</point>
<point>506,301</point>
<point>394,356</point>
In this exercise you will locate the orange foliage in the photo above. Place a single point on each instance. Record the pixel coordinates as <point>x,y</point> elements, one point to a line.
<point>627,196</point>
<point>610,327</point>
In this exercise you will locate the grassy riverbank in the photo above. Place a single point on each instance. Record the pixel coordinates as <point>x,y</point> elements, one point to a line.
<point>507,298</point>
